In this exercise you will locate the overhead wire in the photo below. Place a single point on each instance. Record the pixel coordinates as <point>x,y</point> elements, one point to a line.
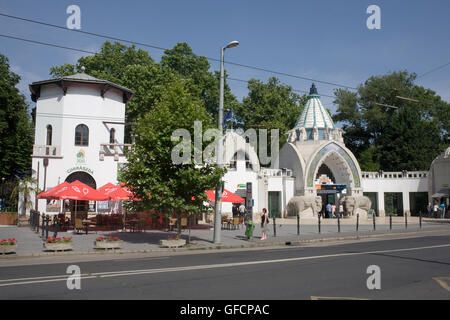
<point>91,52</point>
<point>164,49</point>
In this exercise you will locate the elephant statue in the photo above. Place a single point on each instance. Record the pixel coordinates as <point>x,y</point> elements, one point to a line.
<point>351,204</point>
<point>298,204</point>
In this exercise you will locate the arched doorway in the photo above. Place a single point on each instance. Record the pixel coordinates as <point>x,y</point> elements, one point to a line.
<point>333,175</point>
<point>84,177</point>
<point>81,207</point>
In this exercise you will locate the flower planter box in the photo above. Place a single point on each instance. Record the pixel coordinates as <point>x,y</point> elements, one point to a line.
<point>8,249</point>
<point>108,244</point>
<point>172,243</point>
<point>8,219</point>
<point>58,246</point>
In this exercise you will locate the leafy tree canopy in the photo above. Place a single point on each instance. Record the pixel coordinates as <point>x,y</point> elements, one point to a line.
<point>151,173</point>
<point>406,138</point>
<point>270,105</point>
<point>16,131</point>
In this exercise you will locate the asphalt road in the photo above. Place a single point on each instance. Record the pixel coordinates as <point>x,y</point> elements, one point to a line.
<point>414,268</point>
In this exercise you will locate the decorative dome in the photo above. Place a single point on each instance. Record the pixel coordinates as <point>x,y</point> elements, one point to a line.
<point>314,114</point>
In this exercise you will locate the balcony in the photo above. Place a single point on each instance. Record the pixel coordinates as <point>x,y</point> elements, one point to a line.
<point>43,151</point>
<point>395,175</point>
<point>115,150</point>
<point>277,172</point>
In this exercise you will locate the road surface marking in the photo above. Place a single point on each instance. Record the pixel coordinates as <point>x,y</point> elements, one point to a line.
<point>23,281</point>
<point>336,298</point>
<point>444,282</point>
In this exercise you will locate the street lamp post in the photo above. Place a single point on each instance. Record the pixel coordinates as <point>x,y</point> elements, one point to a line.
<point>218,199</point>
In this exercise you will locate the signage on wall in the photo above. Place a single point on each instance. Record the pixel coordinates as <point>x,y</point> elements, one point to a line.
<point>80,168</point>
<point>330,188</point>
<point>81,156</point>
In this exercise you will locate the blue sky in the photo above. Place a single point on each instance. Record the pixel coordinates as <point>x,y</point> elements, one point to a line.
<point>323,39</point>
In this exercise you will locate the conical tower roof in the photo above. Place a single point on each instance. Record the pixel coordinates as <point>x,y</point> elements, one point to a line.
<point>314,114</point>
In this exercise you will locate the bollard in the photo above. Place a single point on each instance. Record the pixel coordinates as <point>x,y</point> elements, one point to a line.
<point>374,224</point>
<point>274,227</point>
<point>43,225</point>
<point>420,219</point>
<point>357,221</point>
<point>339,223</point>
<point>31,219</point>
<point>319,223</point>
<point>298,224</point>
<point>37,222</point>
<point>390,222</point>
<point>55,226</point>
<point>406,220</point>
<point>47,219</point>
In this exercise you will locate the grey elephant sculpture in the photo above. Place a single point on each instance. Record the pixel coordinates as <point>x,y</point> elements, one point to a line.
<point>352,203</point>
<point>298,204</point>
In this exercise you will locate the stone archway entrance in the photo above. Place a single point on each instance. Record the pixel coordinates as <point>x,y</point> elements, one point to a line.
<point>81,207</point>
<point>333,176</point>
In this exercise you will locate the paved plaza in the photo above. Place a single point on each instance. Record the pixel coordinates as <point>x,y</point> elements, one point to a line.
<point>201,236</point>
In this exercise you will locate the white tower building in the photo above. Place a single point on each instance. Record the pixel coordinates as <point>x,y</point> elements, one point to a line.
<point>79,133</point>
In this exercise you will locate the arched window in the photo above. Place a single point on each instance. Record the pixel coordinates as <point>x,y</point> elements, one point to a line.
<point>112,135</point>
<point>49,135</point>
<point>81,135</point>
<point>233,165</point>
<point>248,164</point>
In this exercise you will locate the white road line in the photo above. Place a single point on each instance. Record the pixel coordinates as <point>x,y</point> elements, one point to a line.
<point>24,281</point>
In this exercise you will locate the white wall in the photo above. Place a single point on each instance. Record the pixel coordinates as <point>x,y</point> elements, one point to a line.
<point>405,185</point>
<point>82,104</point>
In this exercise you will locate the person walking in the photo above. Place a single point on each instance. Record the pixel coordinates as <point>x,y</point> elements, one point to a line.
<point>264,222</point>
<point>429,209</point>
<point>341,210</point>
<point>329,210</point>
<point>235,211</point>
<point>442,210</point>
<point>242,210</point>
<point>333,211</point>
<point>435,210</point>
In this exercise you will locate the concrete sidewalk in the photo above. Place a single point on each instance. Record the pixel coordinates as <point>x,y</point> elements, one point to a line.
<point>31,244</point>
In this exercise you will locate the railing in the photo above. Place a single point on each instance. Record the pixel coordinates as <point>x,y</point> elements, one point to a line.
<point>115,150</point>
<point>395,175</point>
<point>46,151</point>
<point>277,172</point>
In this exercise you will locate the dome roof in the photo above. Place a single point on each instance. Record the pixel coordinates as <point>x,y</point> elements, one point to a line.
<point>314,114</point>
<point>81,77</point>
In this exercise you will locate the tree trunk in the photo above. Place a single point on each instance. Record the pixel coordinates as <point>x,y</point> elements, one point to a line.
<point>179,225</point>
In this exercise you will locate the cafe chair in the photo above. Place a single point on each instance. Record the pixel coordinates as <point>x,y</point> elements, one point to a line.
<point>78,225</point>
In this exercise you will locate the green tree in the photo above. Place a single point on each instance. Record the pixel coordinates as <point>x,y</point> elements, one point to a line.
<point>16,131</point>
<point>135,69</point>
<point>371,126</point>
<point>163,185</point>
<point>270,105</point>
<point>185,62</point>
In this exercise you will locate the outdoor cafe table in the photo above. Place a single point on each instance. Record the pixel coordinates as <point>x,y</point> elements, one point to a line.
<point>132,224</point>
<point>86,224</point>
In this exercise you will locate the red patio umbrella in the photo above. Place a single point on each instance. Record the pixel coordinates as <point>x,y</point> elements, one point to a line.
<point>106,187</point>
<point>227,196</point>
<point>49,193</point>
<point>78,191</point>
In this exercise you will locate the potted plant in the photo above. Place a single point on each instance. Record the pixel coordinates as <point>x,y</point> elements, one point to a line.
<point>8,246</point>
<point>108,243</point>
<point>58,244</point>
<point>23,191</point>
<point>172,242</point>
